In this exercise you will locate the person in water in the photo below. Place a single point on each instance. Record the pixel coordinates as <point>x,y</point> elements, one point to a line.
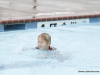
<point>44,41</point>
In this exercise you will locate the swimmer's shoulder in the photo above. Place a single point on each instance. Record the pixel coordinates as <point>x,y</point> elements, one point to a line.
<point>36,47</point>
<point>52,48</point>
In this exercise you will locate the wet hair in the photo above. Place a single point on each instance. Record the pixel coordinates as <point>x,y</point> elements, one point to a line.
<point>45,36</point>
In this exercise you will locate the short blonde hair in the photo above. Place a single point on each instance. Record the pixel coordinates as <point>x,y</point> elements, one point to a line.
<point>45,36</point>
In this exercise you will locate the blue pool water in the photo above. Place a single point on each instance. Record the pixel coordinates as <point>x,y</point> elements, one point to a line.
<point>79,46</point>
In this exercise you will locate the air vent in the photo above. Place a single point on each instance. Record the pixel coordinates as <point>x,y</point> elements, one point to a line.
<point>14,27</point>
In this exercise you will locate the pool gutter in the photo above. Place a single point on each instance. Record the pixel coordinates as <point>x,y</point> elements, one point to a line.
<point>46,18</point>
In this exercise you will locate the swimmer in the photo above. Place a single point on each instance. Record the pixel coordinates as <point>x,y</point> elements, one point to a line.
<point>44,41</point>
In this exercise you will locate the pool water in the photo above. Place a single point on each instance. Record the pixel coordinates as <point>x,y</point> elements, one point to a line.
<point>78,45</point>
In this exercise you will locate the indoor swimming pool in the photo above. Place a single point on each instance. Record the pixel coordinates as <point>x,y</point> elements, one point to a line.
<point>79,46</point>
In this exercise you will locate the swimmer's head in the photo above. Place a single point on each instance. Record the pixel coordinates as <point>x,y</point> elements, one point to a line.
<point>44,41</point>
<point>45,36</point>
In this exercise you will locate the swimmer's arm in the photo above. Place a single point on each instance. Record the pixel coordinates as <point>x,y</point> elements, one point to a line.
<point>24,49</point>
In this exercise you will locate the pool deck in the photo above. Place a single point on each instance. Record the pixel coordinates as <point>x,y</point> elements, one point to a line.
<point>23,11</point>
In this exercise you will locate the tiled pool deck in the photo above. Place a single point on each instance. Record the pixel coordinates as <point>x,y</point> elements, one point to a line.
<point>24,11</point>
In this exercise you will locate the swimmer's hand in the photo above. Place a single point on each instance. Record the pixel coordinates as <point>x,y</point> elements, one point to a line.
<point>42,56</point>
<point>16,52</point>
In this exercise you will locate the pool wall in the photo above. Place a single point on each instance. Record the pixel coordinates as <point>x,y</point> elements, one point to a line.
<point>37,22</point>
<point>1,28</point>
